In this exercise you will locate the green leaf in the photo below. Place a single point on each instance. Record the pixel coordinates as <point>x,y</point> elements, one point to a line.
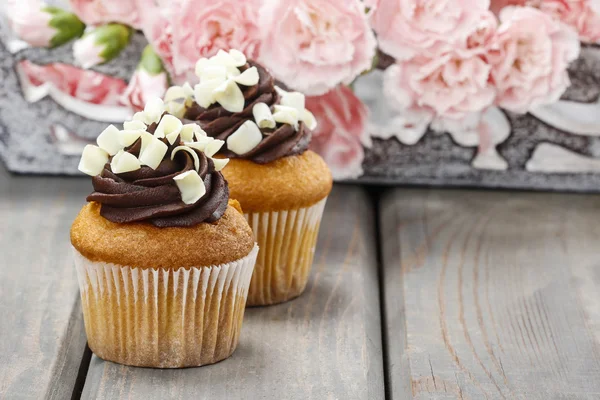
<point>151,62</point>
<point>67,25</point>
<point>113,37</point>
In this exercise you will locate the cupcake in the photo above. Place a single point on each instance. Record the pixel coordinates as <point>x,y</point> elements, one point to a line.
<point>164,258</point>
<point>281,185</point>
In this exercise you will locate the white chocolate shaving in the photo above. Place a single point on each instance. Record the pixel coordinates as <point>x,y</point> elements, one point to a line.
<point>188,90</point>
<point>286,115</point>
<point>140,116</point>
<point>174,93</point>
<point>108,140</point>
<point>190,151</point>
<point>188,131</point>
<point>147,138</point>
<point>262,116</point>
<point>204,92</point>
<point>134,125</point>
<point>155,107</point>
<point>176,107</point>
<point>92,160</point>
<point>238,57</point>
<point>248,78</point>
<point>232,72</point>
<point>168,125</point>
<point>280,91</point>
<point>127,137</point>
<point>224,59</point>
<point>153,153</point>
<point>229,96</point>
<point>200,65</point>
<point>309,119</point>
<point>293,99</point>
<point>220,163</point>
<point>191,186</point>
<point>211,72</point>
<point>200,144</point>
<point>212,147</point>
<point>245,138</point>
<point>124,162</point>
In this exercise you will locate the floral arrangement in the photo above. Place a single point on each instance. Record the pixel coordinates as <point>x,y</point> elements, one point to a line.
<point>447,62</point>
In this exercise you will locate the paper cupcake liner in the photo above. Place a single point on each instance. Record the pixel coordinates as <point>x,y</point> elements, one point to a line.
<point>287,241</point>
<point>163,317</point>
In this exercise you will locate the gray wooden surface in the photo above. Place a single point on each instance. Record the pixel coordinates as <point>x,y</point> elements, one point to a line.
<point>491,295</point>
<point>324,345</point>
<point>41,326</point>
<point>485,295</point>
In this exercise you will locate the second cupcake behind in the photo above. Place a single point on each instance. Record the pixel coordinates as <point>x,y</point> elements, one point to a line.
<point>281,185</point>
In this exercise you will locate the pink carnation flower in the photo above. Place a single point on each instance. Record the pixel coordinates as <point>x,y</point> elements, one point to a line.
<point>529,64</point>
<point>181,33</point>
<point>450,85</point>
<point>142,87</point>
<point>582,15</point>
<point>406,28</point>
<point>341,131</point>
<point>313,45</point>
<point>98,12</point>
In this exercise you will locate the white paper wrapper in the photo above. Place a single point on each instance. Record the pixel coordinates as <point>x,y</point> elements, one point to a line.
<point>287,241</point>
<point>160,317</point>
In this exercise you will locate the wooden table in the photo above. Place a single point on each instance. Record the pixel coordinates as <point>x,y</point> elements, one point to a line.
<point>420,293</point>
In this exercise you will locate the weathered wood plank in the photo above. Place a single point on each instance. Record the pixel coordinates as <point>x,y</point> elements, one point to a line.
<point>492,294</point>
<point>41,328</point>
<point>324,345</point>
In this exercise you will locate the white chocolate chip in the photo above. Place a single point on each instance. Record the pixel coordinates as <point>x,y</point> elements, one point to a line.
<point>262,116</point>
<point>190,151</point>
<point>127,137</point>
<point>224,59</point>
<point>200,65</point>
<point>248,78</point>
<point>153,153</point>
<point>286,115</point>
<point>108,140</point>
<point>134,125</point>
<point>190,186</point>
<point>245,138</point>
<point>155,107</point>
<point>220,163</point>
<point>211,72</point>
<point>293,99</point>
<point>92,160</point>
<point>124,162</point>
<point>230,96</point>
<point>238,57</point>
<point>212,147</point>
<point>204,92</point>
<point>309,119</point>
<point>172,137</point>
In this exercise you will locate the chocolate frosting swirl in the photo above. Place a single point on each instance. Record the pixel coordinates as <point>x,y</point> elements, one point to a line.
<point>152,195</point>
<point>281,141</point>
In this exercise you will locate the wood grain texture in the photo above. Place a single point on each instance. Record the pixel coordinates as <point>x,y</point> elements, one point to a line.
<point>41,328</point>
<point>326,344</point>
<point>491,295</point>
